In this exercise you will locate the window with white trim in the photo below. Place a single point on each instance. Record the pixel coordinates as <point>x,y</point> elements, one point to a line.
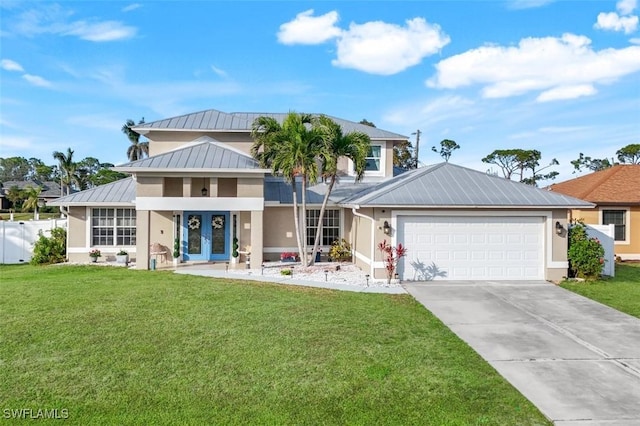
<point>619,219</point>
<point>113,227</point>
<point>330,226</point>
<point>374,159</point>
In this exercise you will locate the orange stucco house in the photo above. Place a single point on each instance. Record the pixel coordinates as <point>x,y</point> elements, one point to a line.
<point>616,193</point>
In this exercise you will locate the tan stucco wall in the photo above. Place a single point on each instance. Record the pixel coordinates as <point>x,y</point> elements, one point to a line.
<point>161,232</point>
<point>197,183</point>
<point>228,187</point>
<point>250,187</point>
<point>559,243</point>
<point>388,159</point>
<point>172,187</point>
<point>160,142</point>
<point>244,233</point>
<point>142,239</point>
<point>77,227</point>
<point>149,186</point>
<point>278,221</point>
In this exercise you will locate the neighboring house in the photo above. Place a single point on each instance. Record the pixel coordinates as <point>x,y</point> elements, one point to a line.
<point>201,186</point>
<point>616,193</point>
<point>49,190</point>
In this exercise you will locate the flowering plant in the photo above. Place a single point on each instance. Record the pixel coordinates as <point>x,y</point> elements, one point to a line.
<point>289,255</point>
<point>95,253</point>
<point>391,256</point>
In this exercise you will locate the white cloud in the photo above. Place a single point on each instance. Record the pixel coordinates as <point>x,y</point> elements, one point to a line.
<point>131,7</point>
<point>527,4</point>
<point>309,29</point>
<point>9,141</point>
<point>218,71</point>
<point>385,49</point>
<point>100,31</point>
<point>626,7</point>
<point>559,68</point>
<point>634,41</point>
<point>567,92</point>
<point>53,19</point>
<point>9,65</point>
<point>611,21</point>
<point>36,80</point>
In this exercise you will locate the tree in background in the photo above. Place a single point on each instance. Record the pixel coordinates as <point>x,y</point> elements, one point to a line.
<point>512,161</point>
<point>16,196</point>
<point>32,195</point>
<point>137,150</point>
<point>335,145</point>
<point>629,154</point>
<point>13,168</point>
<point>593,164</point>
<point>447,147</point>
<point>67,167</point>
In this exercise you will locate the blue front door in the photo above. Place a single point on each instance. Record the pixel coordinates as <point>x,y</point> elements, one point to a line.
<point>206,236</point>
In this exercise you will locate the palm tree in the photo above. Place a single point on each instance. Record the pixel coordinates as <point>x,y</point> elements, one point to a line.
<point>67,167</point>
<point>32,195</point>
<point>14,195</point>
<point>291,150</point>
<point>137,150</point>
<point>353,145</point>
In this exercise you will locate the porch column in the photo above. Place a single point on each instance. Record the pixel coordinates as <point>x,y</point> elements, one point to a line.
<point>256,239</point>
<point>186,187</point>
<point>143,225</point>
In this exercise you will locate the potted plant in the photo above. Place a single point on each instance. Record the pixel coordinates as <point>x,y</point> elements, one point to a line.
<point>94,255</point>
<point>176,251</point>
<point>235,252</point>
<point>122,257</point>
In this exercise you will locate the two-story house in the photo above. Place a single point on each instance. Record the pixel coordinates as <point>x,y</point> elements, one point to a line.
<point>200,187</point>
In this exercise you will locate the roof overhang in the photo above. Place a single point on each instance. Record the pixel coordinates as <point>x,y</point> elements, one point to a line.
<point>183,171</point>
<point>90,204</point>
<point>465,207</point>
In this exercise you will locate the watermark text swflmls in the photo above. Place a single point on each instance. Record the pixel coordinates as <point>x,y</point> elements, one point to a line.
<point>40,413</point>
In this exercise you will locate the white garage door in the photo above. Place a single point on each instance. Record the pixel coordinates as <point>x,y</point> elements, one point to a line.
<point>471,248</point>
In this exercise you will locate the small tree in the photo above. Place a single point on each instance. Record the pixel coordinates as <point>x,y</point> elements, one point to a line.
<point>447,147</point>
<point>586,255</point>
<point>391,256</point>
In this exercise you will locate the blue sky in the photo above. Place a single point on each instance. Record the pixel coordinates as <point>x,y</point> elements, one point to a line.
<point>562,77</point>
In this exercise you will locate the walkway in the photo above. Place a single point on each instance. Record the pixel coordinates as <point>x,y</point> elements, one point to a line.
<point>577,360</point>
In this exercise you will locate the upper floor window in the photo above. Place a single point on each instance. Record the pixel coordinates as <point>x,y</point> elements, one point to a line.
<point>617,218</point>
<point>113,227</point>
<point>374,159</point>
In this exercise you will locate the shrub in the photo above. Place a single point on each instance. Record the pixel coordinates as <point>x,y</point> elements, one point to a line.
<point>95,253</point>
<point>586,255</point>
<point>391,256</point>
<point>122,253</point>
<point>340,250</point>
<point>176,248</point>
<point>235,253</point>
<point>289,256</point>
<point>286,272</point>
<point>47,250</point>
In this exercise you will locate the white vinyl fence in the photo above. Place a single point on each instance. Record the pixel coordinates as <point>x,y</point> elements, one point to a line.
<point>606,235</point>
<point>17,238</point>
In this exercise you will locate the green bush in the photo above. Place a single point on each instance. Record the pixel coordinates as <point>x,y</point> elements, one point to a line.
<point>235,248</point>
<point>52,249</point>
<point>586,255</point>
<point>286,272</point>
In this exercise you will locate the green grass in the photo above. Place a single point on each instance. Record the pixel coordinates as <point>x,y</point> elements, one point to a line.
<point>621,292</point>
<point>29,216</point>
<point>114,346</point>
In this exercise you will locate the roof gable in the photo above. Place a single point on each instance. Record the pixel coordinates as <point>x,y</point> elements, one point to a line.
<point>619,184</point>
<point>203,153</point>
<point>449,185</point>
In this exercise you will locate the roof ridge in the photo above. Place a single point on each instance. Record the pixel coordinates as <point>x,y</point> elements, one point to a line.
<point>179,116</point>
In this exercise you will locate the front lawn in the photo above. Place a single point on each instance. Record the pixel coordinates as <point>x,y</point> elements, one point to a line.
<point>621,292</point>
<point>114,346</point>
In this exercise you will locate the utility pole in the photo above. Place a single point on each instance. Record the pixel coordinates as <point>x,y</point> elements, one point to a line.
<point>417,133</point>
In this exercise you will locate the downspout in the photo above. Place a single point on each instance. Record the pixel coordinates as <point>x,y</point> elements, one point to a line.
<point>373,230</point>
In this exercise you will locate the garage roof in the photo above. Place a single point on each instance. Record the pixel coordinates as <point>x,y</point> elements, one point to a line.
<point>449,185</point>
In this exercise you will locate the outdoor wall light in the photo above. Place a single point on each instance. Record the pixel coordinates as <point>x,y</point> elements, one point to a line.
<point>204,192</point>
<point>559,228</point>
<point>386,228</point>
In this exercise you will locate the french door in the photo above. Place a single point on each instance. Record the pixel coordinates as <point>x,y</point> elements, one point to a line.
<point>206,236</point>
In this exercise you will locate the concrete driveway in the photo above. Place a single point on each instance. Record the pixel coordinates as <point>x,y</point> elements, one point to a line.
<point>577,360</point>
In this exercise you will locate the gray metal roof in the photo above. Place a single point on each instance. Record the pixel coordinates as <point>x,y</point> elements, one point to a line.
<point>449,185</point>
<point>214,120</point>
<point>276,190</point>
<point>48,189</point>
<point>121,192</point>
<point>203,153</point>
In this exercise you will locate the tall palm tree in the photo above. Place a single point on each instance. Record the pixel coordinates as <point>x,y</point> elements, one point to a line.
<point>67,167</point>
<point>291,150</point>
<point>137,150</point>
<point>353,145</point>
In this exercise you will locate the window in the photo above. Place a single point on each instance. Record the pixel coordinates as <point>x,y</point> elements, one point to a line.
<point>113,227</point>
<point>330,226</point>
<point>617,218</point>
<point>373,158</point>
